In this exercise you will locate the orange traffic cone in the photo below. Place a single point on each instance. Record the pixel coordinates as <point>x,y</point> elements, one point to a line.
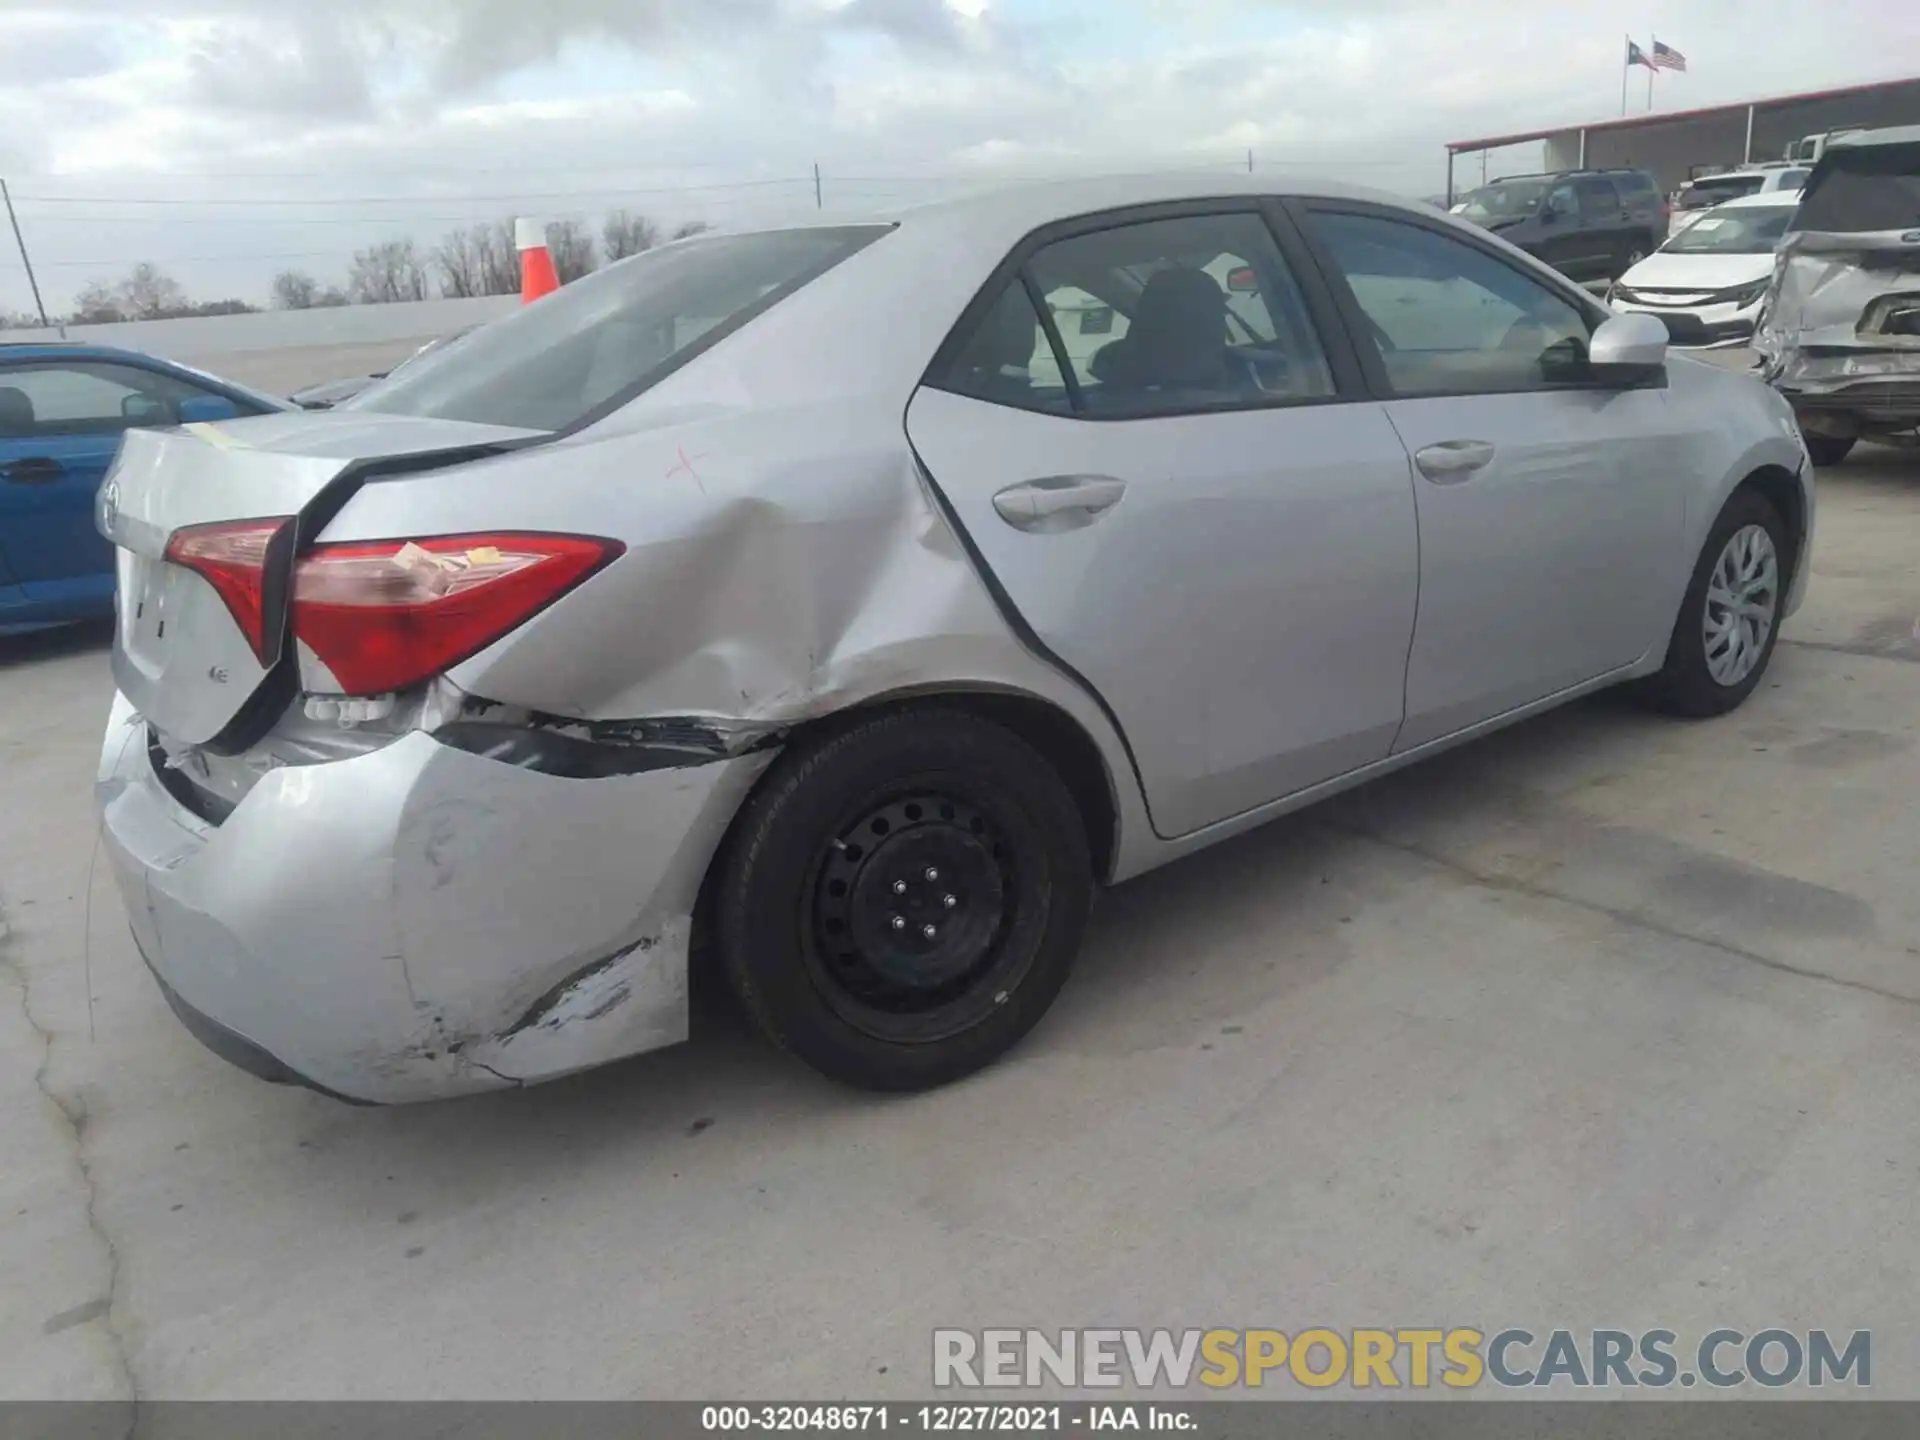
<point>537,275</point>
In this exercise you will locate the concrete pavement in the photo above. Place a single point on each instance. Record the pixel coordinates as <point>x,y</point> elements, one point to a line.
<point>1607,1020</point>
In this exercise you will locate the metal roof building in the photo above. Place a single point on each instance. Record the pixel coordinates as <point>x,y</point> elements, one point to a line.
<point>1678,144</point>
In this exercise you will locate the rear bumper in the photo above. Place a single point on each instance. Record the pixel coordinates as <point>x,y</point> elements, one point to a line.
<point>419,921</point>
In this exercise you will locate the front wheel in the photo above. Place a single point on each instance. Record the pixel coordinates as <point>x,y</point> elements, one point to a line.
<point>1828,449</point>
<point>903,899</point>
<point>1730,618</point>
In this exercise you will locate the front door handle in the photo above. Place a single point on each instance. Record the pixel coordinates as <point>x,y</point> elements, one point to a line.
<point>1059,502</point>
<point>1452,461</point>
<point>38,470</point>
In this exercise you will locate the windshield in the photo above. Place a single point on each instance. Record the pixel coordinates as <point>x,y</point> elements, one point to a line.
<point>1861,189</point>
<point>1504,200</point>
<point>1702,193</point>
<point>607,337</point>
<point>1733,230</point>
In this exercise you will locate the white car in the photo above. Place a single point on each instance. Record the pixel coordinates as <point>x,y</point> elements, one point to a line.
<point>1706,194</point>
<point>1707,282</point>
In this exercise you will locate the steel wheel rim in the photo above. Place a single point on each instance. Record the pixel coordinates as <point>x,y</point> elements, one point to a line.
<point>908,913</point>
<point>1743,598</point>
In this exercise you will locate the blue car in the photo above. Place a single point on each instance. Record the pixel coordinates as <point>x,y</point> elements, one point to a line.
<point>63,409</point>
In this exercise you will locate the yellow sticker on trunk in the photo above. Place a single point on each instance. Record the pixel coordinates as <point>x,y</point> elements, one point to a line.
<point>213,435</point>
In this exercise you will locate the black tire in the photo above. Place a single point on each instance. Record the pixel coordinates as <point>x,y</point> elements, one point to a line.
<point>810,894</point>
<point>1828,449</point>
<point>1684,685</point>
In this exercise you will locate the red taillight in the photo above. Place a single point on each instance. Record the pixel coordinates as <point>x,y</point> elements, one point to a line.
<point>386,614</point>
<point>231,556</point>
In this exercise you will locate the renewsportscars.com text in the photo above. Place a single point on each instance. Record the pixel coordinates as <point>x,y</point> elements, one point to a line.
<point>1400,1358</point>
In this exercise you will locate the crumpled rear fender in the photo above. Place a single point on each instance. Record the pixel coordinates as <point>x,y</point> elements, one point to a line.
<point>782,566</point>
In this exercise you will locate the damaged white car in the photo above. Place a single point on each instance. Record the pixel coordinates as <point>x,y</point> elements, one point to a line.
<point>1840,332</point>
<point>805,602</point>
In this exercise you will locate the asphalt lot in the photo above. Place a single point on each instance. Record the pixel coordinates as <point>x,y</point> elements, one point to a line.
<point>1606,1020</point>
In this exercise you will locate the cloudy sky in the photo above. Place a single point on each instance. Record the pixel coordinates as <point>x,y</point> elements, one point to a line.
<point>229,139</point>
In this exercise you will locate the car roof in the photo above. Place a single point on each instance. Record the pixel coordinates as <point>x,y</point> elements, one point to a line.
<point>72,349</point>
<point>1030,204</point>
<point>1862,139</point>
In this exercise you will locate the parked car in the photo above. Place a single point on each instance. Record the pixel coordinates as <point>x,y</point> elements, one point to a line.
<point>1702,195</point>
<point>1587,224</point>
<point>1708,280</point>
<point>330,393</point>
<point>761,601</point>
<point>1839,332</point>
<point>63,409</point>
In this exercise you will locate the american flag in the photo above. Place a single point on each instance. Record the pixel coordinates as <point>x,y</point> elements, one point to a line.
<point>1665,57</point>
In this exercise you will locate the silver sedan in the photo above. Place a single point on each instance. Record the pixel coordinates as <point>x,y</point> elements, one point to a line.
<point>843,605</point>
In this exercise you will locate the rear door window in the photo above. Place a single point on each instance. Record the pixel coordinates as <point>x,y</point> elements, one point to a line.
<point>1598,199</point>
<point>1158,317</point>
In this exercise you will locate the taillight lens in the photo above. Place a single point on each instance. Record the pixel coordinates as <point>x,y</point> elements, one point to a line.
<point>384,615</point>
<point>231,556</point>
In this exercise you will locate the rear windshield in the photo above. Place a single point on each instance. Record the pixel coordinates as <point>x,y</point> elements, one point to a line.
<point>1703,193</point>
<point>1854,191</point>
<point>605,338</point>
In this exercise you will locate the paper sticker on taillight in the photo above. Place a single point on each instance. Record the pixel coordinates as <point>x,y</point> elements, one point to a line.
<point>385,615</point>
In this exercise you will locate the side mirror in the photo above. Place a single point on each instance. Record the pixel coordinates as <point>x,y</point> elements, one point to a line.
<point>1242,280</point>
<point>1628,348</point>
<point>144,411</point>
<point>204,408</point>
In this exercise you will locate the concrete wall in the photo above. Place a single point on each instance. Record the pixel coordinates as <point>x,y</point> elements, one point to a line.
<point>282,350</point>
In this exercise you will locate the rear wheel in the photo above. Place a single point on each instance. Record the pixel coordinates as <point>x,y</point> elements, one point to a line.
<point>1828,449</point>
<point>903,899</point>
<point>1730,618</point>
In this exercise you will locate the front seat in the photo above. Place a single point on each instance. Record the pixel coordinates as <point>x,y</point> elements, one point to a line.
<point>1178,336</point>
<point>17,419</point>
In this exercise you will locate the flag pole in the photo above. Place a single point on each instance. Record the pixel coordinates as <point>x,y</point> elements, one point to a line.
<point>1652,39</point>
<point>1626,69</point>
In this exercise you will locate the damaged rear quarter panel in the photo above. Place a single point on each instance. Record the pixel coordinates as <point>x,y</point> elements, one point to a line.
<point>782,564</point>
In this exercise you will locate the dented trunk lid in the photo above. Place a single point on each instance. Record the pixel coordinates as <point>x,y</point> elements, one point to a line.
<point>179,655</point>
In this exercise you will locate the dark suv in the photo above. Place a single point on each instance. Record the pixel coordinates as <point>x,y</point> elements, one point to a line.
<point>1587,224</point>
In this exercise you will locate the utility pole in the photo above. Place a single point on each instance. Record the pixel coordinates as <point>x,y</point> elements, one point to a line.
<point>20,240</point>
<point>817,202</point>
<point>1249,162</point>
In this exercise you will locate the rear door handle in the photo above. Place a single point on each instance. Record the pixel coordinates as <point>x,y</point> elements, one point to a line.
<point>1451,461</point>
<point>37,470</point>
<point>1059,502</point>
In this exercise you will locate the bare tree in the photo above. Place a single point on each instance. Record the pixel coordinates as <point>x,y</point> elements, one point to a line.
<point>627,234</point>
<point>458,259</point>
<point>97,304</point>
<point>150,294</point>
<point>385,273</point>
<point>572,249</point>
<point>331,297</point>
<point>295,290</point>
<point>691,228</point>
